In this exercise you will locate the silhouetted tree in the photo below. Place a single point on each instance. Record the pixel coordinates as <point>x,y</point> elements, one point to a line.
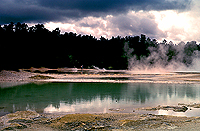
<point>36,46</point>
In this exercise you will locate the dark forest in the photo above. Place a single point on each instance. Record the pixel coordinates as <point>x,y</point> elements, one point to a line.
<point>24,47</point>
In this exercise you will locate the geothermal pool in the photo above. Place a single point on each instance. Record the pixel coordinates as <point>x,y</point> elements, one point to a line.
<point>98,97</point>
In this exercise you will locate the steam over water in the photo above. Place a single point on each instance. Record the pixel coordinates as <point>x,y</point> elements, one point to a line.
<point>165,58</point>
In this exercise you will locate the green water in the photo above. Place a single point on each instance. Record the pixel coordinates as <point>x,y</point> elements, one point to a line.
<point>97,97</point>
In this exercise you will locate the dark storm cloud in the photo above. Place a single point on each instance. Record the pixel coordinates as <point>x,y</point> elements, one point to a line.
<point>58,10</point>
<point>115,5</point>
<point>26,11</point>
<point>135,23</point>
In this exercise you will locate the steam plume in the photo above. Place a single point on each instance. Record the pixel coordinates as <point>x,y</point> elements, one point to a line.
<point>165,58</point>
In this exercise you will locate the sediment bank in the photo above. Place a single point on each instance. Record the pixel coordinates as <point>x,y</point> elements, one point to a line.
<point>30,120</point>
<point>11,78</point>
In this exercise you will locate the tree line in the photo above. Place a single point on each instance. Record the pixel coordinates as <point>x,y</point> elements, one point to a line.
<point>24,47</point>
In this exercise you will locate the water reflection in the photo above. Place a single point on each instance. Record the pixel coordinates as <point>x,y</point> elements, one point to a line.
<point>95,97</point>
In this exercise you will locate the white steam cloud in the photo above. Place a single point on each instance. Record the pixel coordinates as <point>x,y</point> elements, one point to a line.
<point>165,58</point>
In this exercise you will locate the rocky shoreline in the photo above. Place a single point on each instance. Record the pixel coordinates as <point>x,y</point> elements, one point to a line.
<point>12,78</point>
<point>30,120</point>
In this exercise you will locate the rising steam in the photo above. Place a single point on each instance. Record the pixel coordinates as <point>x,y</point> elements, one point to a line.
<point>165,58</point>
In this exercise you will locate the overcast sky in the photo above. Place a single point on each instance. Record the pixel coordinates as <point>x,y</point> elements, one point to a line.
<point>174,20</point>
